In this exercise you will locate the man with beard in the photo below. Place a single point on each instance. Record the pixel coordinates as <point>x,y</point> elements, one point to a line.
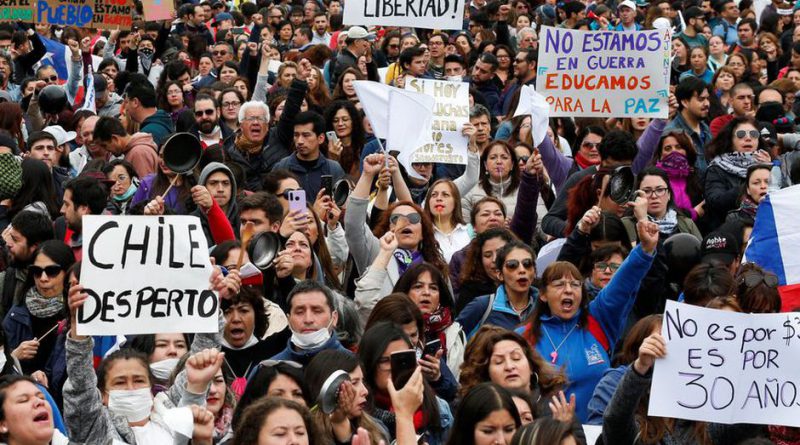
<point>695,21</point>
<point>206,117</point>
<point>138,149</point>
<point>28,229</point>
<point>83,195</point>
<point>693,104</point>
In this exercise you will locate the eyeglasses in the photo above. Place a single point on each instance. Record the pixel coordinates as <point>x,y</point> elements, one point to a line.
<point>413,218</point>
<point>219,53</point>
<point>561,284</point>
<point>741,134</point>
<point>753,278</point>
<point>51,271</point>
<point>231,104</point>
<point>656,192</point>
<point>603,265</point>
<point>121,178</point>
<point>393,46</point>
<point>527,263</point>
<point>200,113</point>
<point>590,144</point>
<point>51,79</point>
<point>254,119</point>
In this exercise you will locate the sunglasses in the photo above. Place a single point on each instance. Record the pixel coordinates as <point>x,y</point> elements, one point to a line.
<point>753,279</point>
<point>51,271</point>
<point>286,192</point>
<point>603,265</point>
<point>527,263</point>
<point>200,113</point>
<point>591,144</point>
<point>524,159</point>
<point>219,53</point>
<point>51,79</point>
<point>741,134</point>
<point>413,218</point>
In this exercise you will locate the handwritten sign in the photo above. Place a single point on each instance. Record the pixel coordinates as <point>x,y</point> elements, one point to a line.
<point>428,14</point>
<point>107,14</point>
<point>604,73</point>
<point>726,367</point>
<point>13,10</point>
<point>146,275</point>
<point>155,10</point>
<point>451,111</point>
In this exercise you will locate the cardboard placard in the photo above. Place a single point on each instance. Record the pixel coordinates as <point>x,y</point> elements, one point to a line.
<point>450,112</point>
<point>105,14</point>
<point>146,275</point>
<point>427,14</point>
<point>155,10</point>
<point>13,10</point>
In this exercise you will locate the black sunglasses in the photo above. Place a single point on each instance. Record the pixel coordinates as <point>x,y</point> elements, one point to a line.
<point>753,278</point>
<point>412,218</point>
<point>209,112</point>
<point>51,271</point>
<point>527,263</point>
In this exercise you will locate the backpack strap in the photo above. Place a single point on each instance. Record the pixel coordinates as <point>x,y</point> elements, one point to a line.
<point>484,316</point>
<point>597,332</point>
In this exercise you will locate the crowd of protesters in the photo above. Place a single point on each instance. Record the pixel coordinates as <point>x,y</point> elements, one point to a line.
<point>529,292</point>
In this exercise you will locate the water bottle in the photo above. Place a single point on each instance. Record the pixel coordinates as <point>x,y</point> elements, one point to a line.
<point>775,176</point>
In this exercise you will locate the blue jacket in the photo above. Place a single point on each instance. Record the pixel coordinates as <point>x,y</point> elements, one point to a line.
<point>18,328</point>
<point>311,179</point>
<point>502,314</point>
<point>581,356</point>
<point>603,393</point>
<point>304,356</point>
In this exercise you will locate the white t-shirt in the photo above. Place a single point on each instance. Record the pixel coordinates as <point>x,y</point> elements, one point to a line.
<point>152,433</point>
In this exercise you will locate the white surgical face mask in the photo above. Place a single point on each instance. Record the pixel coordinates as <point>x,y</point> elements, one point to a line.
<point>162,369</point>
<point>312,340</point>
<point>58,33</point>
<point>454,78</point>
<point>134,404</point>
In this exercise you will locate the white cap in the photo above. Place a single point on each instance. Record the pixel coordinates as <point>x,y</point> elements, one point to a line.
<point>627,3</point>
<point>662,23</point>
<point>357,32</point>
<point>62,136</point>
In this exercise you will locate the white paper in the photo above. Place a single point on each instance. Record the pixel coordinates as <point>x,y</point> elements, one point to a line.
<point>273,66</point>
<point>726,367</point>
<point>535,105</point>
<point>446,144</point>
<point>146,275</point>
<point>248,270</point>
<point>444,14</point>
<point>593,433</point>
<point>604,73</point>
<point>180,420</point>
<point>407,134</point>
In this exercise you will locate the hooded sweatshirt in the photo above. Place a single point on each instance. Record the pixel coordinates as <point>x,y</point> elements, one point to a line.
<point>159,125</point>
<point>232,212</point>
<point>142,152</point>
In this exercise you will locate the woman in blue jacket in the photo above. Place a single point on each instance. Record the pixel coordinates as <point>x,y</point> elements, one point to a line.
<point>575,334</point>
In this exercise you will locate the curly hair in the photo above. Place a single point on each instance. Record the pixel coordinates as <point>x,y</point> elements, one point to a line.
<point>473,269</point>
<point>479,349</point>
<point>255,416</point>
<point>428,246</point>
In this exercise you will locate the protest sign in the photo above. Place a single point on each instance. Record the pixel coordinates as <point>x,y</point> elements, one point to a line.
<point>450,112</point>
<point>13,10</point>
<point>427,14</point>
<point>107,14</point>
<point>146,275</point>
<point>727,367</point>
<point>604,73</point>
<point>158,10</point>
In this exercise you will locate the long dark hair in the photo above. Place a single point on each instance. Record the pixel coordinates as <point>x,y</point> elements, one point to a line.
<point>37,185</point>
<point>350,155</point>
<point>256,416</point>
<point>60,254</point>
<point>407,280</point>
<point>693,187</point>
<point>258,386</point>
<point>473,269</point>
<point>481,401</point>
<point>723,141</point>
<point>371,348</point>
<point>429,247</point>
<point>484,180</point>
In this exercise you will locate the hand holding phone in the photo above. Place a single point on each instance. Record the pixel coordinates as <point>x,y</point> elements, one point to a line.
<point>432,347</point>
<point>403,365</point>
<point>297,200</point>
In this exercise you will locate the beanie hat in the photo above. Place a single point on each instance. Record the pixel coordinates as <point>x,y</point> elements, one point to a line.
<point>10,176</point>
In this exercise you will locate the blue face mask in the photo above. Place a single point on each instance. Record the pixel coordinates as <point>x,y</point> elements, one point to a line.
<point>127,195</point>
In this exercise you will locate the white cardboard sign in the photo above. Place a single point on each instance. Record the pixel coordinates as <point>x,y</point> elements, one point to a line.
<point>450,112</point>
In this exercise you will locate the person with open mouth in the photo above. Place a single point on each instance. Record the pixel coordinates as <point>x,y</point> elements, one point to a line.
<point>735,148</point>
<point>575,334</point>
<point>758,182</point>
<point>27,415</point>
<point>442,204</point>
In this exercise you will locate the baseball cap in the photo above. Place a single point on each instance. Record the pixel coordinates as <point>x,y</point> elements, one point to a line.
<point>100,84</point>
<point>719,247</point>
<point>222,16</point>
<point>357,32</point>
<point>62,136</point>
<point>627,3</point>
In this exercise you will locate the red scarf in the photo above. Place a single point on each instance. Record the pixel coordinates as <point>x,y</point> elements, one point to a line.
<point>436,323</point>
<point>583,162</point>
<point>382,400</point>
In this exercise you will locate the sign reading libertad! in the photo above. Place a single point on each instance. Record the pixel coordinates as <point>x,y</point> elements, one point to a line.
<point>146,275</point>
<point>604,73</point>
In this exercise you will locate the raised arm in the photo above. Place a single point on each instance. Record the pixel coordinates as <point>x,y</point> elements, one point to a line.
<point>647,144</point>
<point>364,246</point>
<point>523,223</point>
<point>469,179</point>
<point>555,162</point>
